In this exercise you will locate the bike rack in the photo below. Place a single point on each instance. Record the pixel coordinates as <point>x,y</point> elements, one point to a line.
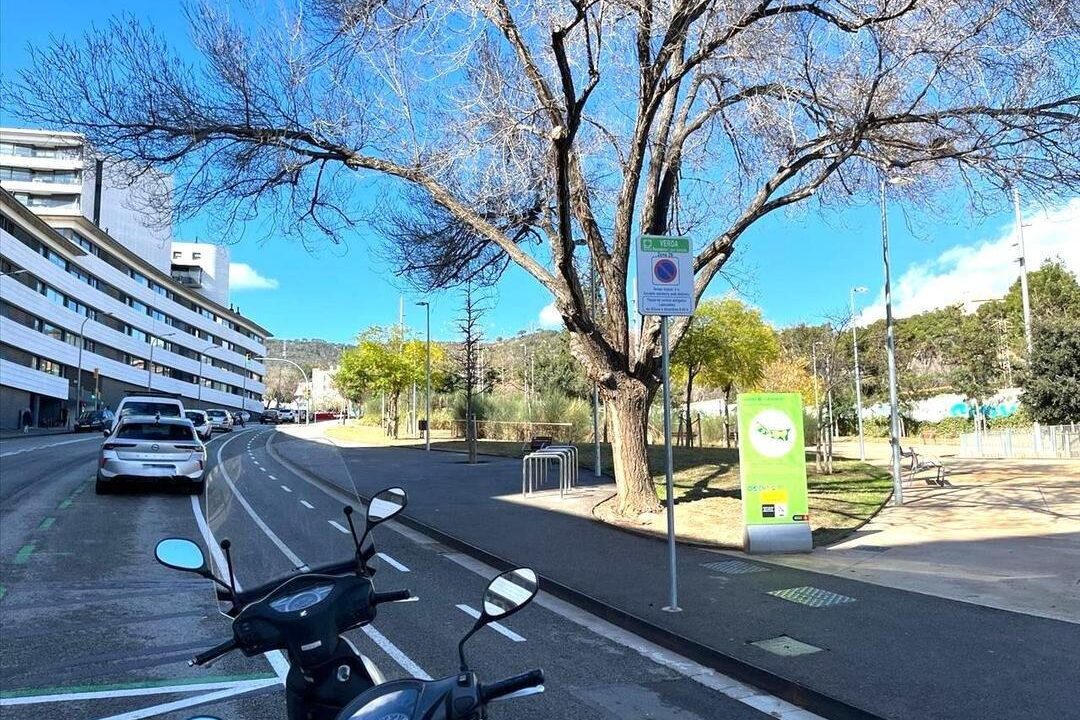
<point>534,468</point>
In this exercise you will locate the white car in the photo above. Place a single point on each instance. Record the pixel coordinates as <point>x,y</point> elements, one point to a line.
<point>148,405</point>
<point>156,449</point>
<point>201,422</point>
<point>286,415</point>
<point>220,419</point>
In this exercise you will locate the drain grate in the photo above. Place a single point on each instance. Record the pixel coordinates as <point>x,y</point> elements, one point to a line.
<point>786,646</point>
<point>734,567</point>
<point>812,596</point>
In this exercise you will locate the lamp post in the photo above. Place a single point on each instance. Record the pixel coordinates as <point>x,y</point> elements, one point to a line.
<point>14,272</point>
<point>150,367</point>
<point>817,408</point>
<point>82,341</point>
<point>201,353</point>
<point>243,391</point>
<point>858,382</point>
<point>890,351</point>
<point>302,373</point>
<point>427,376</point>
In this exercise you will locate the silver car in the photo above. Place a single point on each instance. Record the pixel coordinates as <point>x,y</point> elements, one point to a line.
<point>155,449</point>
<point>220,419</point>
<point>201,422</point>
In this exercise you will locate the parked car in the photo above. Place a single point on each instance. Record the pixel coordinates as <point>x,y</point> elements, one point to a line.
<point>94,420</point>
<point>220,420</point>
<point>153,449</point>
<point>286,415</point>
<point>148,404</point>
<point>199,419</point>
<point>270,417</point>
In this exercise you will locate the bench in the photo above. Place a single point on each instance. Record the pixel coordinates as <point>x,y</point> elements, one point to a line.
<point>919,463</point>
<point>538,442</point>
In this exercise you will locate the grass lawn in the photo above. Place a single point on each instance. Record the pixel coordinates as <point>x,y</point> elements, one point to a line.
<point>708,503</point>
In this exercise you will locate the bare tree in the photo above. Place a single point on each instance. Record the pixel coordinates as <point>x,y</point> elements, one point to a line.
<point>468,357</point>
<point>512,129</point>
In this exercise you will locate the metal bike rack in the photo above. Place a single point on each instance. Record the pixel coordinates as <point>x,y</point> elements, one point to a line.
<point>534,468</point>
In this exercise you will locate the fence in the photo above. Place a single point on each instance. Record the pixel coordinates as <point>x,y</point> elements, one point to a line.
<point>517,431</point>
<point>1038,441</point>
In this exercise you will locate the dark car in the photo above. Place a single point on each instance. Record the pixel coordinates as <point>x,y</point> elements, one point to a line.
<point>94,420</point>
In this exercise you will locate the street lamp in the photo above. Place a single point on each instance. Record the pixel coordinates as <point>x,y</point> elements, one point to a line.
<point>890,349</point>
<point>427,376</point>
<point>817,407</point>
<point>202,352</point>
<point>858,383</point>
<point>150,367</point>
<point>82,341</point>
<point>14,272</point>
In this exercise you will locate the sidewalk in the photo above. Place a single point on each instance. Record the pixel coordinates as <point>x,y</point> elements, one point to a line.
<point>12,433</point>
<point>891,652</point>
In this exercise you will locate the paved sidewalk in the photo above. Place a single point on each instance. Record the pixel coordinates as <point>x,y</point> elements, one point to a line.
<point>895,653</point>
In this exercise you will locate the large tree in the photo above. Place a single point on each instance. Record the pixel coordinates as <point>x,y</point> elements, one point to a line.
<point>383,361</point>
<point>514,129</point>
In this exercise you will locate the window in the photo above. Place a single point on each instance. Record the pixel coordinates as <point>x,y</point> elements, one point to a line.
<point>137,305</point>
<point>176,254</point>
<point>157,315</point>
<point>163,432</point>
<point>48,366</point>
<point>135,362</point>
<point>89,345</point>
<point>52,331</point>
<point>137,333</point>
<point>138,277</point>
<point>196,256</point>
<point>54,257</point>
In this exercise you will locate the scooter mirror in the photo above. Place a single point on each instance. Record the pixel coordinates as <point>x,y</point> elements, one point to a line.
<point>509,592</point>
<point>386,504</point>
<point>204,717</point>
<point>180,554</point>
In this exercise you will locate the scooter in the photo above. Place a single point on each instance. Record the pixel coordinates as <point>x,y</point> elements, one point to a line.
<point>305,615</point>
<point>461,696</point>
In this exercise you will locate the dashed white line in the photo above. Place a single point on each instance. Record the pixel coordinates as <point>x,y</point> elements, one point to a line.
<point>338,527</point>
<point>271,477</point>
<point>286,488</point>
<point>392,562</point>
<point>306,504</point>
<point>501,629</point>
<point>263,469</point>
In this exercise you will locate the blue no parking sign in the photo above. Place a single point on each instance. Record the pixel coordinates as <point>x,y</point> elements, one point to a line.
<point>665,276</point>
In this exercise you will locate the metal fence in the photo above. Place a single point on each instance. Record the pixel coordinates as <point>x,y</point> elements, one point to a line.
<point>1038,441</point>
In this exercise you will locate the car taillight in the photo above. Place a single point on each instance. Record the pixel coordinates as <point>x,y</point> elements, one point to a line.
<point>115,445</point>
<point>188,447</point>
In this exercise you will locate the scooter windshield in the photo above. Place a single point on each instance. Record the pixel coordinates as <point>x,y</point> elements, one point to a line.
<point>273,523</point>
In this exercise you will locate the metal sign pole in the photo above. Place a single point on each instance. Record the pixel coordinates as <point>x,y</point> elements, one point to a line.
<point>673,601</point>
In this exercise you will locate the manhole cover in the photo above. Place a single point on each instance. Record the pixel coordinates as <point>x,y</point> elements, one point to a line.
<point>786,646</point>
<point>812,596</point>
<point>734,567</point>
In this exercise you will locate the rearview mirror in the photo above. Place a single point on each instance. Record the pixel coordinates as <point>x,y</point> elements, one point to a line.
<point>386,504</point>
<point>509,592</point>
<point>181,554</point>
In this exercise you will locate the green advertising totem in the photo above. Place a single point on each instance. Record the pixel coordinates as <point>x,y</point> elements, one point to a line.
<point>772,467</point>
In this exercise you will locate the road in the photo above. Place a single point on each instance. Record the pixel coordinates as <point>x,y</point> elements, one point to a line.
<point>93,627</point>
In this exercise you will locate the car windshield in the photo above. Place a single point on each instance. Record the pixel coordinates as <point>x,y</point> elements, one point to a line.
<point>151,408</point>
<point>168,432</point>
<point>216,413</point>
<point>89,416</point>
<point>194,416</point>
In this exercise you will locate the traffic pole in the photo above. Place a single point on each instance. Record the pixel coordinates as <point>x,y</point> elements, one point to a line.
<point>673,596</point>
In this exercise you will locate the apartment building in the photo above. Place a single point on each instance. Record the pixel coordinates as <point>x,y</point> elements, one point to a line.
<point>86,316</point>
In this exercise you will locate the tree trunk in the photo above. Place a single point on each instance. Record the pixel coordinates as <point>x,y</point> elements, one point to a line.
<point>628,407</point>
<point>727,416</point>
<point>689,421</point>
<point>392,415</point>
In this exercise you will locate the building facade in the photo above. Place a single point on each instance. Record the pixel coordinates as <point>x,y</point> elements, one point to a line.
<point>85,316</point>
<point>202,267</point>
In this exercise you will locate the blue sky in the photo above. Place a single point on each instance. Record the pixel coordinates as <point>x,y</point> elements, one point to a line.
<point>780,265</point>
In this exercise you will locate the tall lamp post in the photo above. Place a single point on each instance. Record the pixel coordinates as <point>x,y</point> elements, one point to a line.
<point>82,341</point>
<point>427,375</point>
<point>890,350</point>
<point>150,367</point>
<point>858,382</point>
<point>201,354</point>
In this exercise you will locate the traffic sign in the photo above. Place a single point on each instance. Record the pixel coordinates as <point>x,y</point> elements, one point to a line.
<point>665,276</point>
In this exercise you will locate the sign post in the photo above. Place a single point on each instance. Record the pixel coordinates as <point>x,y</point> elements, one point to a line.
<point>665,287</point>
<point>772,468</point>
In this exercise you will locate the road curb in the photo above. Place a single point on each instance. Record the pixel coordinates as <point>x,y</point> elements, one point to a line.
<point>790,690</point>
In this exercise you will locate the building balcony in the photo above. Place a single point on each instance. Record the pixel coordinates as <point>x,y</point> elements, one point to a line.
<point>190,276</point>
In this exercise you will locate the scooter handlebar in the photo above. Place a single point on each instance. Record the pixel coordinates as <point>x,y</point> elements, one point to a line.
<point>496,690</point>
<point>213,653</point>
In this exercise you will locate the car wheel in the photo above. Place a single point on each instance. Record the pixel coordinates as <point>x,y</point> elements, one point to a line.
<point>197,487</point>
<point>102,488</point>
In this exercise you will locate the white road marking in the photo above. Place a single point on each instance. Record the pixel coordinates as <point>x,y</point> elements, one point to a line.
<point>286,488</point>
<point>262,468</point>
<point>306,504</point>
<point>135,692</point>
<point>339,527</point>
<point>48,445</point>
<point>185,703</point>
<point>392,562</point>
<point>497,627</point>
<point>272,477</point>
<point>394,652</point>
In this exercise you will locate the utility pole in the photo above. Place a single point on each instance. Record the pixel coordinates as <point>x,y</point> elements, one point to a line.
<point>427,377</point>
<point>890,351</point>
<point>858,380</point>
<point>1022,259</point>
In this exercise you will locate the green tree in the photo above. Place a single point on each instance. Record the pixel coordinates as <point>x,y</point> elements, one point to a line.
<point>1052,382</point>
<point>384,361</point>
<point>727,345</point>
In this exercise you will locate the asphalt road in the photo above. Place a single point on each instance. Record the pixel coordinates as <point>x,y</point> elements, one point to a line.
<point>92,627</point>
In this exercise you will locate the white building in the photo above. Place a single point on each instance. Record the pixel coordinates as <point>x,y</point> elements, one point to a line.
<point>202,267</point>
<point>73,295</point>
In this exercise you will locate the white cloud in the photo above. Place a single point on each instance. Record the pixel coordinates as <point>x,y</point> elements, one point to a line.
<point>984,270</point>
<point>550,318</point>
<point>244,277</point>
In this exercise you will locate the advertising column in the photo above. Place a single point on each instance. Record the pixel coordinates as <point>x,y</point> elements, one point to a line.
<point>772,468</point>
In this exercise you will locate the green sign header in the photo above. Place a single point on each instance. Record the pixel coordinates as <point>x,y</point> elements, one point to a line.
<point>657,243</point>
<point>772,458</point>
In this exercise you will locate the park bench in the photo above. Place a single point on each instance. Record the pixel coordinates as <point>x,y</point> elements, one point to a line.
<point>920,463</point>
<point>538,442</point>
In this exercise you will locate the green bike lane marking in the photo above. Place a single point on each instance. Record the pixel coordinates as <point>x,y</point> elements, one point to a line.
<point>24,553</point>
<point>139,685</point>
<point>47,523</point>
<point>3,592</point>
